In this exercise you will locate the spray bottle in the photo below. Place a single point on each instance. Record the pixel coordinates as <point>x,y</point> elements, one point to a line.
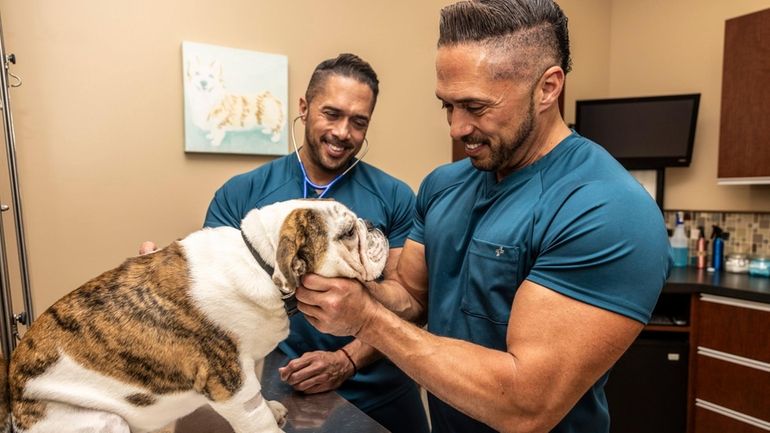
<point>679,242</point>
<point>717,255</point>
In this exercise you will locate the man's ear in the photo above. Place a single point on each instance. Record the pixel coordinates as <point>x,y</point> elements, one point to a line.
<point>550,87</point>
<point>303,107</point>
<point>301,243</point>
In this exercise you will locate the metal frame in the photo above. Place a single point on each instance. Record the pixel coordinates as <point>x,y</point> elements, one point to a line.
<point>9,320</point>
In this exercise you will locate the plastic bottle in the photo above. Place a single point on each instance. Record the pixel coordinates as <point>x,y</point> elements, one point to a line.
<point>717,255</point>
<point>679,242</point>
<point>701,249</point>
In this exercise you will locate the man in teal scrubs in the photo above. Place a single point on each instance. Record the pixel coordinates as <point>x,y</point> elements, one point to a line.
<point>538,259</point>
<point>336,111</point>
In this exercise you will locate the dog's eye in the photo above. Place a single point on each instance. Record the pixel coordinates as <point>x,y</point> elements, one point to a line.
<point>350,233</point>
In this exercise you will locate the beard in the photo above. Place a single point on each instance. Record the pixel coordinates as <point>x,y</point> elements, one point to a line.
<point>322,161</point>
<point>502,154</point>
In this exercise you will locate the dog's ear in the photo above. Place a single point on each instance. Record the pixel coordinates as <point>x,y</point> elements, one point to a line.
<point>302,242</point>
<point>290,266</point>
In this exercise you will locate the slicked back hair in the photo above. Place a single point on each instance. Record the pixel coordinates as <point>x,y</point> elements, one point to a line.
<point>346,65</point>
<point>536,29</point>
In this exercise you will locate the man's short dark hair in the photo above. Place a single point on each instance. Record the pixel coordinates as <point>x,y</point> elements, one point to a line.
<point>539,26</point>
<point>346,65</point>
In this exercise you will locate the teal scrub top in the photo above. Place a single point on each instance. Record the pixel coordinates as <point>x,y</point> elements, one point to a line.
<point>575,221</point>
<point>383,200</point>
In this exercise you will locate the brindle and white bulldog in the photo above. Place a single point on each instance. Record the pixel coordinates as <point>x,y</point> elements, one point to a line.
<point>165,333</point>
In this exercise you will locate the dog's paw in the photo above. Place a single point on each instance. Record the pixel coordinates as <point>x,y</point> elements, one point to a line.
<point>279,412</point>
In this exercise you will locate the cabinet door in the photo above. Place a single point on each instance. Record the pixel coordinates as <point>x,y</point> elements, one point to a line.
<point>733,386</point>
<point>708,421</point>
<point>744,135</point>
<point>737,327</point>
<point>647,387</point>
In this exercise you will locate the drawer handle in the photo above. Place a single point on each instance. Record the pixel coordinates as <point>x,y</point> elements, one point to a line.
<point>735,302</point>
<point>756,422</point>
<point>735,359</point>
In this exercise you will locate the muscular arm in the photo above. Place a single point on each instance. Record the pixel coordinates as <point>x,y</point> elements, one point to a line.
<point>557,348</point>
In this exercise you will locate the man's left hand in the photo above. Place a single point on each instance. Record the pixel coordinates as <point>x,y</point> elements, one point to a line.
<point>318,371</point>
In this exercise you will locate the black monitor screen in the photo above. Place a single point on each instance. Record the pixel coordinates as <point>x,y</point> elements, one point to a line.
<point>642,133</point>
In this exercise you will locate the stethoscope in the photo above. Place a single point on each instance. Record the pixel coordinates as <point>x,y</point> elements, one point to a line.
<point>323,188</point>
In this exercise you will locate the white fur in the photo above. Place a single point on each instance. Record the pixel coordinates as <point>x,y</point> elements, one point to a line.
<point>65,418</point>
<point>69,381</point>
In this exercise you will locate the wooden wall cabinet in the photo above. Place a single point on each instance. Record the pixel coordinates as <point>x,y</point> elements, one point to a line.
<point>732,366</point>
<point>744,135</point>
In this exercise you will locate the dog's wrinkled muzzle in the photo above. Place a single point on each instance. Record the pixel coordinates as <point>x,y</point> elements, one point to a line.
<point>375,252</point>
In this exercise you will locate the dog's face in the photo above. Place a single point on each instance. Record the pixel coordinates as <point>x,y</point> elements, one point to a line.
<point>322,237</point>
<point>204,75</point>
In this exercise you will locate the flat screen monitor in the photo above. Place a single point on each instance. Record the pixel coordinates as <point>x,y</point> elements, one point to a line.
<point>642,133</point>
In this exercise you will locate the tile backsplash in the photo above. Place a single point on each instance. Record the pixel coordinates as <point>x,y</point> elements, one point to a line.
<point>749,232</point>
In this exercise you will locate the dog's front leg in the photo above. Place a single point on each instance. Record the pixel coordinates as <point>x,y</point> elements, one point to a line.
<point>247,411</point>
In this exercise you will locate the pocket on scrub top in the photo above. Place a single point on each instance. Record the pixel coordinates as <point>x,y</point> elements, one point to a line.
<point>492,280</point>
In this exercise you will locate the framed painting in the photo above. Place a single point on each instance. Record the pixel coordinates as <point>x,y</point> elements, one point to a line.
<point>235,101</point>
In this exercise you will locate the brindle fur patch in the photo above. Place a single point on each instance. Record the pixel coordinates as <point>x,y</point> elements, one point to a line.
<point>5,402</point>
<point>302,244</point>
<point>137,324</point>
<point>141,399</point>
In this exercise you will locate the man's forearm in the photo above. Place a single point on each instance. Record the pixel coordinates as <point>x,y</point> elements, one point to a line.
<point>361,354</point>
<point>475,380</point>
<point>397,299</point>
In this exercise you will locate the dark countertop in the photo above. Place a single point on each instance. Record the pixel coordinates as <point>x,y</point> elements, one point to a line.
<point>740,286</point>
<point>316,413</point>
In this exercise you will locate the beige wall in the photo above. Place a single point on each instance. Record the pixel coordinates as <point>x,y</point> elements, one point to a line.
<point>668,47</point>
<point>99,117</point>
<point>589,25</point>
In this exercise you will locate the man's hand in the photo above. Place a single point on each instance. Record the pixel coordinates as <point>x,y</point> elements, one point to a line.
<point>336,306</point>
<point>319,371</point>
<point>147,247</point>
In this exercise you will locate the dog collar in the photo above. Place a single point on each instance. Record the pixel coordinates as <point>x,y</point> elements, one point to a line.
<point>289,302</point>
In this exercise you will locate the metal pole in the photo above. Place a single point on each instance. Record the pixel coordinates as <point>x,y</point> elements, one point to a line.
<point>15,190</point>
<point>7,323</point>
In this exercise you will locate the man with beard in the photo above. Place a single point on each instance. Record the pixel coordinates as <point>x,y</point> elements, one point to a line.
<point>538,259</point>
<point>336,111</point>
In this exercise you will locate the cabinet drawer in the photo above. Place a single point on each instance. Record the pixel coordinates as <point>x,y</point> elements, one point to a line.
<point>734,326</point>
<point>707,421</point>
<point>737,387</point>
